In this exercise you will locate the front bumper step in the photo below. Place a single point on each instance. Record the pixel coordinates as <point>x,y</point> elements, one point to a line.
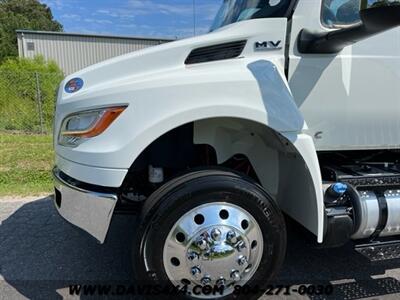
<point>89,210</point>
<point>380,251</point>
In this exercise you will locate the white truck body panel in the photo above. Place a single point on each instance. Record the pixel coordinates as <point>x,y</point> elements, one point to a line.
<point>351,99</point>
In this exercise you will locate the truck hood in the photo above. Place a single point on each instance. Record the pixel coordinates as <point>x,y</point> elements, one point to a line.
<point>170,56</point>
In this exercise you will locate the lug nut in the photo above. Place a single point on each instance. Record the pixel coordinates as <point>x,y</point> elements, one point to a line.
<point>242,260</point>
<point>195,271</point>
<point>201,243</point>
<point>231,237</point>
<point>206,256</point>
<point>192,256</point>
<point>206,280</point>
<point>235,275</point>
<point>220,282</point>
<point>216,234</point>
<point>240,245</point>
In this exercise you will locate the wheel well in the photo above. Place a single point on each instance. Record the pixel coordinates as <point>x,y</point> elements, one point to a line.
<point>176,152</point>
<point>246,146</point>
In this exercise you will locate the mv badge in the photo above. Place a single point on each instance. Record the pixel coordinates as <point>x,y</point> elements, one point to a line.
<point>267,45</point>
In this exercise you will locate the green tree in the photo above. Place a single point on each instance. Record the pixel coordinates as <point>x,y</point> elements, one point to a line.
<point>22,14</point>
<point>378,3</point>
<point>385,3</point>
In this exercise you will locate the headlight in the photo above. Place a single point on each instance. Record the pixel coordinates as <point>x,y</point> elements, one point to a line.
<point>78,127</point>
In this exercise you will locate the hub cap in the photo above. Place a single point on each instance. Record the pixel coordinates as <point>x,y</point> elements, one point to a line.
<point>217,244</point>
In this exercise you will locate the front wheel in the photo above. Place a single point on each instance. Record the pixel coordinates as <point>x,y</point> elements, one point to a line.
<point>210,228</point>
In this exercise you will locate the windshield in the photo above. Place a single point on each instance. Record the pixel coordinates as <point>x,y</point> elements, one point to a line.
<point>233,11</point>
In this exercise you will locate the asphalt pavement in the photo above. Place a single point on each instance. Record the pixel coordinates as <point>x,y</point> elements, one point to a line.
<point>41,255</point>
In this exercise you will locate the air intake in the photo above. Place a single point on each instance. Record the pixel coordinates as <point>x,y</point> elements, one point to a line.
<point>215,52</point>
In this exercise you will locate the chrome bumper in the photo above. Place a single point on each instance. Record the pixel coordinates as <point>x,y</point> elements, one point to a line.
<point>90,211</point>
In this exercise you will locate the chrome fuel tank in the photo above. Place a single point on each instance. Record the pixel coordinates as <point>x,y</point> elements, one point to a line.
<point>377,214</point>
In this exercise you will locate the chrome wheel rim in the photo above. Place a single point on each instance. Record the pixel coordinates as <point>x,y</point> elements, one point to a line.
<point>216,244</point>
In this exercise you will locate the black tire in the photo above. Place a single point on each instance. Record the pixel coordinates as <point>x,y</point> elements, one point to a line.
<point>165,206</point>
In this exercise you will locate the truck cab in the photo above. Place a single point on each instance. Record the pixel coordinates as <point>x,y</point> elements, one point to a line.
<point>285,110</point>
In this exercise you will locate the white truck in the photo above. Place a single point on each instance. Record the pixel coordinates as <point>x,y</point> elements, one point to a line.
<point>286,109</point>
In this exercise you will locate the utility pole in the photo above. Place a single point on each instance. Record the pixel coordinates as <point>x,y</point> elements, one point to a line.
<point>364,4</point>
<point>194,17</point>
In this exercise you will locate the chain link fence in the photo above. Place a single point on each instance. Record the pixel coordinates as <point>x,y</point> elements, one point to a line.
<point>27,101</point>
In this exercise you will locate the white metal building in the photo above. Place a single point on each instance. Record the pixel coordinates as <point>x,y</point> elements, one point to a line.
<point>73,51</point>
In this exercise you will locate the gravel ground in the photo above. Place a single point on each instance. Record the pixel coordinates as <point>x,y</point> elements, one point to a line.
<point>41,255</point>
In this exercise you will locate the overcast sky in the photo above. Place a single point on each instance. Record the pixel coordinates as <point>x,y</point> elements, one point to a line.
<point>161,18</point>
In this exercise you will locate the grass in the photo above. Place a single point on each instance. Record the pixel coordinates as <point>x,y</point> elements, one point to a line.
<point>26,161</point>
